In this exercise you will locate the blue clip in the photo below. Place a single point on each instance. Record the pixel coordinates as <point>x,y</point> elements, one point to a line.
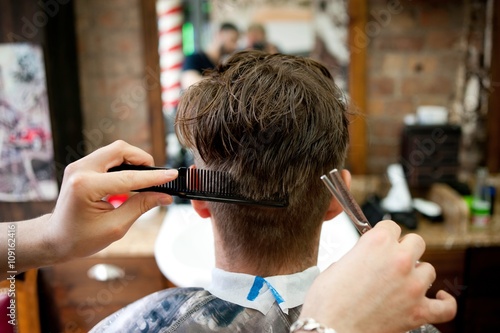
<point>258,283</point>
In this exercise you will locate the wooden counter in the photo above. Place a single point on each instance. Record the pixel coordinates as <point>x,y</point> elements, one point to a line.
<point>441,235</point>
<point>140,239</point>
<point>454,232</point>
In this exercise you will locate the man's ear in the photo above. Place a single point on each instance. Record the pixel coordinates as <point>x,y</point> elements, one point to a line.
<point>201,208</point>
<point>335,208</point>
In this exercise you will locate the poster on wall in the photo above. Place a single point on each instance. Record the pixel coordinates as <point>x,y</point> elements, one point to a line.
<point>26,150</point>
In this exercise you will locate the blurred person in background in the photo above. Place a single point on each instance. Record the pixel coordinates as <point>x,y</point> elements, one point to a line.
<point>224,43</point>
<point>257,39</point>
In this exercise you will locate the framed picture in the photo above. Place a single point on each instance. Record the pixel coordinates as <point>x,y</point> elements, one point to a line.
<point>26,149</point>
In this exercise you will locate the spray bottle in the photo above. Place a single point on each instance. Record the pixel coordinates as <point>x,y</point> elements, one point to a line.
<point>481,201</point>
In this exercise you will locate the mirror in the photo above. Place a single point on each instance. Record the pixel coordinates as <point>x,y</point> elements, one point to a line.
<point>317,28</point>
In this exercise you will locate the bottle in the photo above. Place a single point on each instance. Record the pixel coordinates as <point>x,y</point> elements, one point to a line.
<point>481,201</point>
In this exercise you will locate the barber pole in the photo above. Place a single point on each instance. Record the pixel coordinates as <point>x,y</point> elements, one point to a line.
<point>170,48</point>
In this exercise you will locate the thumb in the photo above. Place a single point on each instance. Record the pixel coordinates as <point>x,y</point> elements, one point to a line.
<point>443,308</point>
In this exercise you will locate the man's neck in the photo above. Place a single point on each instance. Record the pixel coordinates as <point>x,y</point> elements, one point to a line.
<point>226,260</point>
<point>257,270</point>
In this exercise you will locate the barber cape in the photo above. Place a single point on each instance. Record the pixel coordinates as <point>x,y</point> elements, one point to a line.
<point>233,303</point>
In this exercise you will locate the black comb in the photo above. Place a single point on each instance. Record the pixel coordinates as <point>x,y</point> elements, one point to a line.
<point>200,184</point>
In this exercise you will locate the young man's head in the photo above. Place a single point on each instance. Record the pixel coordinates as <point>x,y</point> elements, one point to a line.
<point>256,36</point>
<point>227,39</point>
<point>276,123</point>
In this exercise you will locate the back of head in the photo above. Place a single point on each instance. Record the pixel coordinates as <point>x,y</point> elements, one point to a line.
<point>276,123</point>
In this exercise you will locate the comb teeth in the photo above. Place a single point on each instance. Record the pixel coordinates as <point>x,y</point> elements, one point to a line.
<point>200,181</point>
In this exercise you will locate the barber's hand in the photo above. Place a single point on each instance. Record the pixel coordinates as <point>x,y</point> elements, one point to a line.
<point>379,287</point>
<point>82,223</point>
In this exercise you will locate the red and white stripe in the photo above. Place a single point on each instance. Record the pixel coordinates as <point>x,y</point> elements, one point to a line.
<point>170,48</point>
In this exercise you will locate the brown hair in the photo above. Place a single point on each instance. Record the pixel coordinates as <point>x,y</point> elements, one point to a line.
<point>276,123</point>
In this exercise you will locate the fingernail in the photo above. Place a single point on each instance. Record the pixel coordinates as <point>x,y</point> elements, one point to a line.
<point>165,200</point>
<point>171,173</point>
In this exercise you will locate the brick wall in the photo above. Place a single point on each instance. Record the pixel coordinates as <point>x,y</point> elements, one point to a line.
<point>112,72</point>
<point>413,57</point>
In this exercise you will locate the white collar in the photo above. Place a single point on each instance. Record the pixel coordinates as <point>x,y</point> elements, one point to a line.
<point>259,293</point>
